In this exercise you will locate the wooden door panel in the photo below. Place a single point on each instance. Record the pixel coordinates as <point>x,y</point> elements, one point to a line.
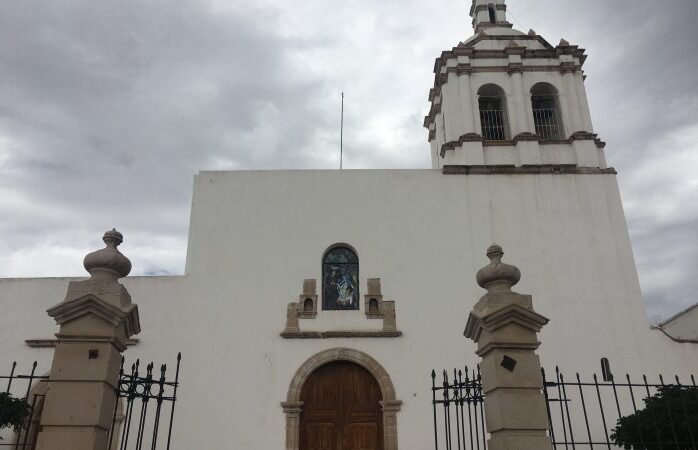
<point>363,436</point>
<point>341,409</point>
<point>320,436</point>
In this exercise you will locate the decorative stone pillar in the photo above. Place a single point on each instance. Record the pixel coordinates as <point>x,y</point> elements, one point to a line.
<point>505,326</point>
<point>390,410</point>
<point>96,318</point>
<point>518,110</point>
<point>466,88</point>
<point>568,70</point>
<point>293,422</point>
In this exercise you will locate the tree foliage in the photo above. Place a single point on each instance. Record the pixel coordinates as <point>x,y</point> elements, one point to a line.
<point>13,411</point>
<point>669,421</point>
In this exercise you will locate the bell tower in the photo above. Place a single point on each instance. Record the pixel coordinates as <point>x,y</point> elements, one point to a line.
<point>507,98</point>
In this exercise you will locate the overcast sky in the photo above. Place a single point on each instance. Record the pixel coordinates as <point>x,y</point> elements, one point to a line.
<point>108,108</point>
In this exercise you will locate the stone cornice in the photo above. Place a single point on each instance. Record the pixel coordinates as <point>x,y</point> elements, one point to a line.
<point>340,334</point>
<point>527,137</point>
<point>51,343</point>
<point>538,169</point>
<point>65,312</point>
<point>502,317</point>
<point>468,137</point>
<point>526,53</point>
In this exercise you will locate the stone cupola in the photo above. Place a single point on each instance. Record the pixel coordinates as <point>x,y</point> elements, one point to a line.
<point>489,14</point>
<point>505,98</point>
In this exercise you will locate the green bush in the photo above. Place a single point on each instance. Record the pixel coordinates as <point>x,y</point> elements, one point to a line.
<point>13,411</point>
<point>669,421</point>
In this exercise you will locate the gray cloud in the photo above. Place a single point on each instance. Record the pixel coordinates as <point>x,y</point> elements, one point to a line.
<point>108,108</point>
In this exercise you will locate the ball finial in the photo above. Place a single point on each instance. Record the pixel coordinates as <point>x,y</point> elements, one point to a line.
<point>108,263</point>
<point>497,276</point>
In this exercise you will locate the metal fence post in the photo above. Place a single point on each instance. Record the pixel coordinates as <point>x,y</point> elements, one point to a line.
<point>505,326</point>
<point>96,318</point>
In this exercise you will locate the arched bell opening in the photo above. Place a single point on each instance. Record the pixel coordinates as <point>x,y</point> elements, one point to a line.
<point>545,101</point>
<point>493,113</point>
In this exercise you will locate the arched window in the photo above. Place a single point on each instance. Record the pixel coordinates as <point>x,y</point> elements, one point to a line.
<point>546,111</point>
<point>340,278</point>
<point>493,116</point>
<point>493,13</point>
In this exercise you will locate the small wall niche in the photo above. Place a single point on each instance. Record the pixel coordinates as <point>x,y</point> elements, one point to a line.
<point>373,300</point>
<point>308,300</point>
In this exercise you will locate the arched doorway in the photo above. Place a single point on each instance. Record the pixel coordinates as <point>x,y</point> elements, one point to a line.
<point>390,405</point>
<point>341,409</point>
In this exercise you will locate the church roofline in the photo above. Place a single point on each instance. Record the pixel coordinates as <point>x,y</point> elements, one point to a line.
<point>677,315</point>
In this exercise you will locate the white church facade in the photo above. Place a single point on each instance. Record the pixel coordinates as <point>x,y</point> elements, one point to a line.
<point>349,287</point>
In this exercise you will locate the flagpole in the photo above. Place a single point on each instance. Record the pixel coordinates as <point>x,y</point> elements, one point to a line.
<point>341,137</point>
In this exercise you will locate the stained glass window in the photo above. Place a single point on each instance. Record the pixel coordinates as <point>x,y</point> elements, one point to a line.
<point>340,279</point>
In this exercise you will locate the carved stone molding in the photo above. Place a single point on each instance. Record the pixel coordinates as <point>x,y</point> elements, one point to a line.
<point>544,169</point>
<point>340,334</point>
<point>468,137</point>
<point>293,405</point>
<point>51,343</point>
<point>374,308</point>
<point>521,137</point>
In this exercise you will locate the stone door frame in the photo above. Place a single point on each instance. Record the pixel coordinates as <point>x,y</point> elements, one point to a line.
<point>293,405</point>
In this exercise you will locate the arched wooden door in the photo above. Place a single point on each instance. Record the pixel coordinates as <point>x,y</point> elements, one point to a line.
<point>341,409</point>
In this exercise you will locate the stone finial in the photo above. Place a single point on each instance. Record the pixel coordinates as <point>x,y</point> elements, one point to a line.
<point>497,276</point>
<point>108,263</point>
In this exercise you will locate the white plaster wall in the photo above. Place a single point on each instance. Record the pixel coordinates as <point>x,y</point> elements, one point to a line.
<point>255,236</point>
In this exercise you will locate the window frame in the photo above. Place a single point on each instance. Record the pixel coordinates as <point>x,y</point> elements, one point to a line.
<point>326,305</point>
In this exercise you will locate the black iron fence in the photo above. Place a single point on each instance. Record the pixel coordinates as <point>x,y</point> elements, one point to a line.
<point>145,407</point>
<point>592,414</point>
<point>622,414</point>
<point>459,418</point>
<point>20,406</point>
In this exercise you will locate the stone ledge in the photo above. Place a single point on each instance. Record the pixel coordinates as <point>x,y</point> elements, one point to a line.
<point>541,169</point>
<point>340,334</point>
<point>51,343</point>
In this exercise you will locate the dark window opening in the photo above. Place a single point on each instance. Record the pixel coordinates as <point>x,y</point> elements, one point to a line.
<point>373,306</point>
<point>493,14</point>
